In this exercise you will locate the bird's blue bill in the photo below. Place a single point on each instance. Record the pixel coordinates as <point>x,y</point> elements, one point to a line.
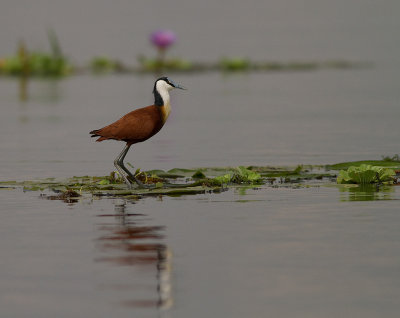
<point>177,85</point>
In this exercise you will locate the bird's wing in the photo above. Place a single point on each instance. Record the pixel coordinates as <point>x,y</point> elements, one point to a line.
<point>137,125</point>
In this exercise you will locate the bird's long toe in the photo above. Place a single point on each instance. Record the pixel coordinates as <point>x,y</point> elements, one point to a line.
<point>143,185</point>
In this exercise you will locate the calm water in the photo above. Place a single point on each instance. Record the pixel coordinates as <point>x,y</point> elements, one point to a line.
<point>292,118</point>
<point>273,252</point>
<point>312,252</point>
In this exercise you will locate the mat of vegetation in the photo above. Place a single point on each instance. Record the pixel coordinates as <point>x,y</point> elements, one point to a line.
<point>177,182</point>
<point>27,63</point>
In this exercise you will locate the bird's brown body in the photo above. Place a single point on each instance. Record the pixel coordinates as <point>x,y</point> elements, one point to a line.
<point>136,126</point>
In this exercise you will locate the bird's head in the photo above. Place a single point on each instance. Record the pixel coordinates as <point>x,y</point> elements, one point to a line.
<point>164,83</point>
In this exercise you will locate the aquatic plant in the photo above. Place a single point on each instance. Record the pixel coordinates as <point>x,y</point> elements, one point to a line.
<point>37,63</point>
<point>235,64</point>
<point>179,181</point>
<point>102,64</point>
<point>198,175</point>
<point>34,64</point>
<point>174,64</point>
<point>394,158</point>
<point>162,39</point>
<point>366,174</point>
<point>346,165</point>
<point>241,175</point>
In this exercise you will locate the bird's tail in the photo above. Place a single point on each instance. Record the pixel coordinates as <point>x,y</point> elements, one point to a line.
<point>95,133</point>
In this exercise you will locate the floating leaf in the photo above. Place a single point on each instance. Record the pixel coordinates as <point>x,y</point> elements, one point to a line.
<point>198,175</point>
<point>104,182</point>
<point>244,175</point>
<point>223,179</point>
<point>366,174</point>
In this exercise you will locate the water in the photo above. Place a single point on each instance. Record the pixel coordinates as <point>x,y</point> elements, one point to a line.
<point>306,252</point>
<point>252,119</point>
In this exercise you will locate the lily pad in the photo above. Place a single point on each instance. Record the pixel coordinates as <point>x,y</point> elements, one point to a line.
<point>366,174</point>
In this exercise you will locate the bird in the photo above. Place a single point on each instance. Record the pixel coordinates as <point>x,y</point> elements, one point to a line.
<point>139,125</point>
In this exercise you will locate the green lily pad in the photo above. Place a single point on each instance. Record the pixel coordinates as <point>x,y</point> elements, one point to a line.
<point>366,174</point>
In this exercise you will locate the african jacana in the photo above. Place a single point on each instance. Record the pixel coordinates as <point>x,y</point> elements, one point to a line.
<point>139,125</point>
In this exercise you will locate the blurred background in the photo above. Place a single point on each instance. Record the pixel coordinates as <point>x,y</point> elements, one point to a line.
<point>329,92</point>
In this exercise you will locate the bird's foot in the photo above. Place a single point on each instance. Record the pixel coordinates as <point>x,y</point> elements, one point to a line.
<point>144,185</point>
<point>140,185</point>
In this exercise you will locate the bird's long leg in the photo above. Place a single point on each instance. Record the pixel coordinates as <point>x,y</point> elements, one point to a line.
<point>119,161</point>
<point>120,168</point>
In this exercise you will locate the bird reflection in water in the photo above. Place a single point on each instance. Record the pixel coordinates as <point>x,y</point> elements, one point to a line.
<point>141,247</point>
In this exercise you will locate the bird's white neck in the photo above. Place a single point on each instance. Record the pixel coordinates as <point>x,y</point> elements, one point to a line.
<point>163,89</point>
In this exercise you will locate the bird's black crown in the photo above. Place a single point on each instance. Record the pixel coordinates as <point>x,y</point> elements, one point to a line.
<point>165,79</point>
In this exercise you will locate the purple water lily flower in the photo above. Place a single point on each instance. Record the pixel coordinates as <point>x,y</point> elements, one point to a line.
<point>163,38</point>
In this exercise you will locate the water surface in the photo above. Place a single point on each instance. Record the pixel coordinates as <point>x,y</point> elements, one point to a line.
<point>306,252</point>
